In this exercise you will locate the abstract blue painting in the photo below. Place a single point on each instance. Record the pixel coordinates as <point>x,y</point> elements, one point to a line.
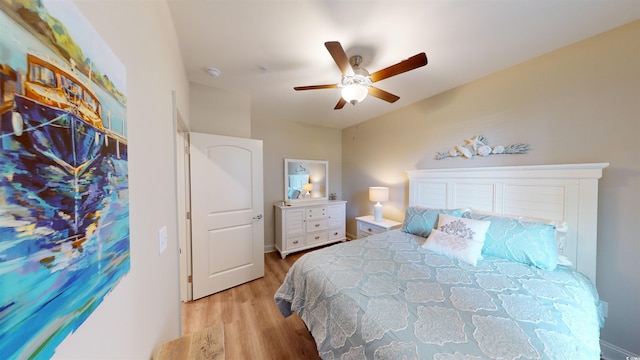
<point>64,203</point>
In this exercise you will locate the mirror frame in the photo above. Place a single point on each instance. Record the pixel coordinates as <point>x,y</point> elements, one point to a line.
<point>314,168</point>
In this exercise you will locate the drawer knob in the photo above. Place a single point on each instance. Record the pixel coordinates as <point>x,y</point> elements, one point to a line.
<point>369,229</point>
<point>317,237</point>
<point>317,225</point>
<point>335,233</point>
<point>295,242</point>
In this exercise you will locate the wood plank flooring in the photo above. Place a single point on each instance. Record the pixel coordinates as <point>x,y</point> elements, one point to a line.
<point>253,325</point>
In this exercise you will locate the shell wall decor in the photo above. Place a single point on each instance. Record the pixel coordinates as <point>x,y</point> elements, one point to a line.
<point>479,146</point>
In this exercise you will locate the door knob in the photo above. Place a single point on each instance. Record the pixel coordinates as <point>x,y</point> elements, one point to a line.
<point>258,217</point>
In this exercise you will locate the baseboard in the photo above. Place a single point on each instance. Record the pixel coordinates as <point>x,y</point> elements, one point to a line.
<point>612,352</point>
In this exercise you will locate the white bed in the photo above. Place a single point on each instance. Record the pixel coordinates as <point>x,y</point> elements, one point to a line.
<point>567,193</point>
<point>386,296</point>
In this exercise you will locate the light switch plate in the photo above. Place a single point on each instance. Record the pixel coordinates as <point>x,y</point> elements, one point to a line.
<point>162,240</point>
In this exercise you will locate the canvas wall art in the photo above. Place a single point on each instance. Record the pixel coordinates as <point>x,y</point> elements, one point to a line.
<point>64,204</point>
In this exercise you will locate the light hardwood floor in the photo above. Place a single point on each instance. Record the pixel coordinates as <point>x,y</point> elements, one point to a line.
<point>253,325</point>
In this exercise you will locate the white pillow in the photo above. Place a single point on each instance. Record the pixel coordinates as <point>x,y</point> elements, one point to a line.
<point>463,227</point>
<point>457,237</point>
<point>460,248</point>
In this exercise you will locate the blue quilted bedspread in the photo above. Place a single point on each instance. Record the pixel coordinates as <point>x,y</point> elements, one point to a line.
<point>385,297</point>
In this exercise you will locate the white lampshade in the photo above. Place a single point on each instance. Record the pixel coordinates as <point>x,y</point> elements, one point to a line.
<point>354,93</point>
<point>378,194</point>
<point>307,188</point>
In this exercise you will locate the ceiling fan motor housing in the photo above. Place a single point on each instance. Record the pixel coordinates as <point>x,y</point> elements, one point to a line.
<point>355,87</point>
<point>363,80</point>
<point>360,76</point>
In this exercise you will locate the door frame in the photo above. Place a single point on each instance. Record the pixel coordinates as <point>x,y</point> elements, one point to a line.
<point>183,195</point>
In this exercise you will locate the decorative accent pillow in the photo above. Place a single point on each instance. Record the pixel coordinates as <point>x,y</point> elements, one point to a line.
<point>458,237</point>
<point>520,239</point>
<point>421,220</point>
<point>460,248</point>
<point>471,229</point>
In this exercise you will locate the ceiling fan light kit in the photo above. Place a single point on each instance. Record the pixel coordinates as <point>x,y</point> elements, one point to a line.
<point>356,82</point>
<point>354,93</point>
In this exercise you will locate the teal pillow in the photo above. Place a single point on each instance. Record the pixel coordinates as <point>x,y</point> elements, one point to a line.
<point>519,240</point>
<point>421,220</point>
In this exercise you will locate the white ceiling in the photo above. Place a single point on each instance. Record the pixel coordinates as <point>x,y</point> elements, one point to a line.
<point>463,39</point>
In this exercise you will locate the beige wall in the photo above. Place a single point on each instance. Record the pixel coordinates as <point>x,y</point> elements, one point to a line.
<point>219,112</point>
<point>578,104</point>
<point>143,311</point>
<point>285,139</point>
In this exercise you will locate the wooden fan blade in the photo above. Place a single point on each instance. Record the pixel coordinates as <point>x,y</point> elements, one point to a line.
<point>316,87</point>
<point>381,94</point>
<point>411,63</point>
<point>340,104</point>
<point>339,56</point>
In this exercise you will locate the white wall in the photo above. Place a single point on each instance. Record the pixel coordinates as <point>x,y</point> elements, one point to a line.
<point>578,104</point>
<point>143,311</point>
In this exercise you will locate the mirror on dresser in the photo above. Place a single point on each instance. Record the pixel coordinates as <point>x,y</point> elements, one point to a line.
<point>305,180</point>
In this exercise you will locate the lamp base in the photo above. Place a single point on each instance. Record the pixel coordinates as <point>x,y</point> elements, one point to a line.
<point>377,212</point>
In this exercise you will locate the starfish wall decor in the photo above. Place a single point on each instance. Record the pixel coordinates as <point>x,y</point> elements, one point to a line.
<point>479,146</point>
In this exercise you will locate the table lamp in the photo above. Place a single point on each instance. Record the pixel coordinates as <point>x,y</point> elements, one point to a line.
<point>307,188</point>
<point>378,194</point>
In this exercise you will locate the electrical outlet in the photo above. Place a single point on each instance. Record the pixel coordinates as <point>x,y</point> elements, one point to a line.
<point>162,240</point>
<point>605,308</point>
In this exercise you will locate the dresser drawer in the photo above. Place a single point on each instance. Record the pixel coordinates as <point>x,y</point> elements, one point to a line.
<point>337,234</point>
<point>316,225</point>
<point>368,229</point>
<point>316,237</point>
<point>295,242</point>
<point>319,212</point>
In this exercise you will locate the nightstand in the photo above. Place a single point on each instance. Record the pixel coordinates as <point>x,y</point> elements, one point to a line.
<point>367,226</point>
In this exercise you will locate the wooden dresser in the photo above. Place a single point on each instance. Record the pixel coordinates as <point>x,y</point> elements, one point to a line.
<point>302,226</point>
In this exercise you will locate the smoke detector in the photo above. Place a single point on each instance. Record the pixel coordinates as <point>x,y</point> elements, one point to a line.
<point>214,72</point>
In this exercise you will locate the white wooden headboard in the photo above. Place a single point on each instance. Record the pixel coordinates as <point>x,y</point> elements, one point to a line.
<point>567,193</point>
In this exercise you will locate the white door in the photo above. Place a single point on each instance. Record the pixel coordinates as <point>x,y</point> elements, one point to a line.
<point>226,212</point>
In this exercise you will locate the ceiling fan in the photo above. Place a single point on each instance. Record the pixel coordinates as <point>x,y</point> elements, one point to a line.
<point>356,82</point>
